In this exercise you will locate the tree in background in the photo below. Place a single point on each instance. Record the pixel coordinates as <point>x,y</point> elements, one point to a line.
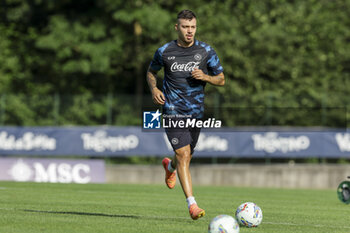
<point>78,62</point>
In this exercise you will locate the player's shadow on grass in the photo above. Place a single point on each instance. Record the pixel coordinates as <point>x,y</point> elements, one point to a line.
<point>85,213</point>
<point>105,215</point>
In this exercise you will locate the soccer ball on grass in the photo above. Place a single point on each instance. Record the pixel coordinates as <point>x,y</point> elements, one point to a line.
<point>249,214</point>
<point>223,223</point>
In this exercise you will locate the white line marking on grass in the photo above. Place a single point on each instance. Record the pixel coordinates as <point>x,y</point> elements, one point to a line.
<point>95,214</point>
<point>180,218</point>
<point>162,217</point>
<point>2,188</point>
<point>11,209</point>
<point>311,225</point>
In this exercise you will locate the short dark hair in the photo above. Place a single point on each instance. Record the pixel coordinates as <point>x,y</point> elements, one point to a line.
<point>186,14</point>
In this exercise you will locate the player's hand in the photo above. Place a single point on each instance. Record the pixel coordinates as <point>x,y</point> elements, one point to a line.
<point>199,74</point>
<point>158,96</point>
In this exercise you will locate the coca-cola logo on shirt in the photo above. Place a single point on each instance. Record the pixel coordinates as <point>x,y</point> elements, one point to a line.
<point>190,66</point>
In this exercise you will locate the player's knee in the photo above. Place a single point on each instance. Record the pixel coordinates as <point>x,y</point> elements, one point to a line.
<point>184,157</point>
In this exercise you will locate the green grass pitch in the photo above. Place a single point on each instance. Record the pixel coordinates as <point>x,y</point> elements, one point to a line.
<point>33,208</point>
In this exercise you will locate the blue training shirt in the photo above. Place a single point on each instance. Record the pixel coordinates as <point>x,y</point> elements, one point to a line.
<point>184,95</point>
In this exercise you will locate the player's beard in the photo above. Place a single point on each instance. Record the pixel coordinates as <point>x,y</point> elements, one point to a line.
<point>185,40</point>
<point>189,38</point>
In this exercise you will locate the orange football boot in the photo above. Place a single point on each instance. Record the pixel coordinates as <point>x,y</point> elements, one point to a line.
<point>196,212</point>
<point>170,177</point>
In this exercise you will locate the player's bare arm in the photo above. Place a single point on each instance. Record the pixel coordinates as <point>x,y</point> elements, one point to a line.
<point>157,95</point>
<point>217,80</point>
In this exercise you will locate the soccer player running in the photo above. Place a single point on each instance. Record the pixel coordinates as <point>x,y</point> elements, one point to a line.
<point>188,65</point>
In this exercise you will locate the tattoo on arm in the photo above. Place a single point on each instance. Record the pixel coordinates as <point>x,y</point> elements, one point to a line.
<point>151,79</point>
<point>218,80</point>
